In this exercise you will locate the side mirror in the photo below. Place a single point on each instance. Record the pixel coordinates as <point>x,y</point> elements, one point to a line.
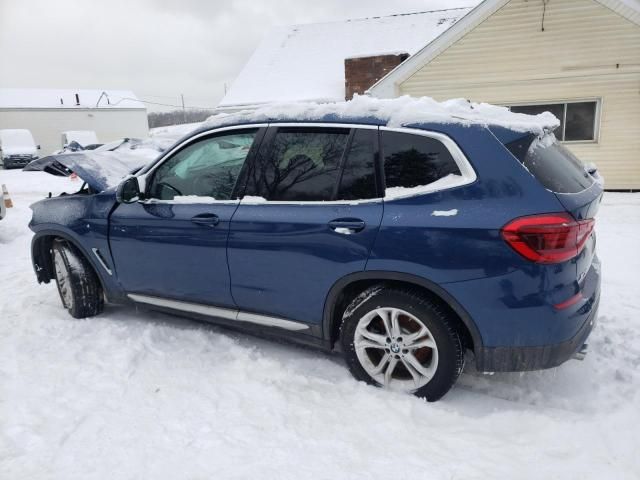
<point>128,191</point>
<point>38,147</point>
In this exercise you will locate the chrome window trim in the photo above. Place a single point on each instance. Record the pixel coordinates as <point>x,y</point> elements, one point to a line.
<point>324,125</point>
<point>468,174</point>
<point>226,313</point>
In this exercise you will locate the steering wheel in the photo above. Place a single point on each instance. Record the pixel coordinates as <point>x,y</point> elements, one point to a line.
<point>170,187</point>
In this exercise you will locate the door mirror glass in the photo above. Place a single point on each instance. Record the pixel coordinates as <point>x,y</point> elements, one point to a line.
<point>128,191</point>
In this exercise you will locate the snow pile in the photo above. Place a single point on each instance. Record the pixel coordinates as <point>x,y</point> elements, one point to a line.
<point>253,200</point>
<point>131,394</point>
<point>445,213</point>
<point>450,180</point>
<point>186,199</point>
<point>172,133</point>
<point>394,112</point>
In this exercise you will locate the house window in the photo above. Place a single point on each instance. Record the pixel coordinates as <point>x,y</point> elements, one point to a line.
<point>577,119</point>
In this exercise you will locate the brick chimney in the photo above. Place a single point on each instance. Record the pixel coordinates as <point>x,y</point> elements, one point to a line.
<point>360,73</point>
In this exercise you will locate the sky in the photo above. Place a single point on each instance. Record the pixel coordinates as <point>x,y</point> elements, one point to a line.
<point>159,49</point>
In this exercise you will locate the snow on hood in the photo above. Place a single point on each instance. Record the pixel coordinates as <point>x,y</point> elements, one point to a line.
<point>101,170</point>
<point>395,112</point>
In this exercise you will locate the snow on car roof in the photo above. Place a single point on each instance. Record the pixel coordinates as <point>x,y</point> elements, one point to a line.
<point>306,62</point>
<point>16,137</point>
<point>397,112</point>
<point>66,98</point>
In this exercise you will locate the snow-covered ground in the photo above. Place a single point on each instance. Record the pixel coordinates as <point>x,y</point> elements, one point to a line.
<point>134,395</point>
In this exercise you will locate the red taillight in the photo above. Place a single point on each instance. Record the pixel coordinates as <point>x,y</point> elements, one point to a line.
<point>548,238</point>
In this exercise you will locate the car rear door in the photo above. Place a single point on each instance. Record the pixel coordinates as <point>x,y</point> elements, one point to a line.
<point>172,245</point>
<point>309,216</point>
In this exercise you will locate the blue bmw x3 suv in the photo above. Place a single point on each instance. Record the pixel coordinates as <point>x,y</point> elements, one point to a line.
<point>400,244</point>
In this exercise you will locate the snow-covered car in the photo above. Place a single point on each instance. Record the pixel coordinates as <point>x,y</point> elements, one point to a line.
<point>399,232</point>
<point>76,147</point>
<point>83,138</point>
<point>17,148</point>
<point>122,156</point>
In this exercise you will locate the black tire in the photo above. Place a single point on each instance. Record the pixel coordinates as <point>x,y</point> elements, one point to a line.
<point>450,352</point>
<point>78,284</point>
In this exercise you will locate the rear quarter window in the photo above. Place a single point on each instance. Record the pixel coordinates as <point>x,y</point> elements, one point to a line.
<point>415,160</point>
<point>552,164</point>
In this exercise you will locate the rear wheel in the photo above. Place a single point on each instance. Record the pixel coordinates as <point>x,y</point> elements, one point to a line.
<point>78,284</point>
<point>401,340</point>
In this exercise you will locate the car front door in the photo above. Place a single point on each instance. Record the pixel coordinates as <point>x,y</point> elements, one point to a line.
<point>172,244</point>
<point>309,216</point>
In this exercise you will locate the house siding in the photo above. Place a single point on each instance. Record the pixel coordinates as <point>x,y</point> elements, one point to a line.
<point>586,51</point>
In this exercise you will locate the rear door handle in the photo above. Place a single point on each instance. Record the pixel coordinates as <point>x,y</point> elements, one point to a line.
<point>347,226</point>
<point>206,219</point>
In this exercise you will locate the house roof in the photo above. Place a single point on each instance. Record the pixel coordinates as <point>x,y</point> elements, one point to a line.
<point>386,87</point>
<point>40,98</point>
<point>306,62</point>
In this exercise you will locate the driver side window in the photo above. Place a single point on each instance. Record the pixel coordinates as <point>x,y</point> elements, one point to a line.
<point>207,168</point>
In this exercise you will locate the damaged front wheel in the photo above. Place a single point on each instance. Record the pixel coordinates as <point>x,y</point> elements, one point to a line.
<point>78,284</point>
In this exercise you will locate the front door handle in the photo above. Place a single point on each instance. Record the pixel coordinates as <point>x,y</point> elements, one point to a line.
<point>347,226</point>
<point>206,219</point>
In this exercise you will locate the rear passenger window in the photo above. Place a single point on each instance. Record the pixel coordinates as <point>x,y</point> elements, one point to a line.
<point>415,160</point>
<point>303,164</point>
<point>358,176</point>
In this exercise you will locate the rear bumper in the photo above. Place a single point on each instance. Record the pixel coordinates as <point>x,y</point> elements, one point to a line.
<point>518,359</point>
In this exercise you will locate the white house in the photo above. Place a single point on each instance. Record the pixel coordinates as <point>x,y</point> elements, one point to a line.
<point>112,114</point>
<point>579,59</point>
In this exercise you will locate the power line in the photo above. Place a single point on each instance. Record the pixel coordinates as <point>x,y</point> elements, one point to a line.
<point>170,96</point>
<point>162,104</point>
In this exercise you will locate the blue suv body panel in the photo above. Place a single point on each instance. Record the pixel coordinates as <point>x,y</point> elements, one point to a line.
<point>282,256</point>
<point>280,260</point>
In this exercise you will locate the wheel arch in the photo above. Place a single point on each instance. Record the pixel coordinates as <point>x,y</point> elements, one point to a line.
<point>349,286</point>
<point>43,262</point>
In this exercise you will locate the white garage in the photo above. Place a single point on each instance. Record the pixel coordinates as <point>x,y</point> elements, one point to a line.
<point>112,114</point>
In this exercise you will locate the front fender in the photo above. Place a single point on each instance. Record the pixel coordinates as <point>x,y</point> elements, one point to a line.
<point>83,221</point>
<point>41,245</point>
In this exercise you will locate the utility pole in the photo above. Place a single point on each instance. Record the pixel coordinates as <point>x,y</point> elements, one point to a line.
<point>184,111</point>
